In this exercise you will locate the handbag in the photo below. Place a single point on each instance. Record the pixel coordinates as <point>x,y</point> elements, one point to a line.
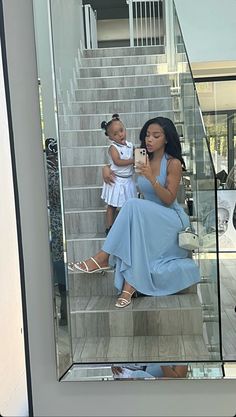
<point>187,238</point>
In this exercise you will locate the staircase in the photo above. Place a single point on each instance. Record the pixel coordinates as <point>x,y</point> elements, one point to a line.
<point>131,82</point>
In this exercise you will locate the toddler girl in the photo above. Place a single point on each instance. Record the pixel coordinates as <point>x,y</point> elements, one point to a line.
<point>121,163</point>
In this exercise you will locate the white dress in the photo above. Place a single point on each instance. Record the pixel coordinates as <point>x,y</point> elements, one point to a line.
<point>123,188</point>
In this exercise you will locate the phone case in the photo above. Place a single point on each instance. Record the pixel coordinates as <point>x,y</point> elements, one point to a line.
<point>140,156</point>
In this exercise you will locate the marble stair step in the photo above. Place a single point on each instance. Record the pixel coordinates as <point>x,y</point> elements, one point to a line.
<point>123,70</point>
<point>123,81</point>
<point>78,155</point>
<point>122,93</point>
<point>82,221</point>
<point>140,349</point>
<point>122,106</point>
<point>123,51</point>
<point>145,316</point>
<point>93,121</point>
<point>123,60</point>
<point>96,137</point>
<point>83,198</point>
<point>82,175</point>
<point>84,246</point>
<point>100,284</point>
<point>93,155</point>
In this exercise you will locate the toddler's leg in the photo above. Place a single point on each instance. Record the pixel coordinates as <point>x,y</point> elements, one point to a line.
<point>110,217</point>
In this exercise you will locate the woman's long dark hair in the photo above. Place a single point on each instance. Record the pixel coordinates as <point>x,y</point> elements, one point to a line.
<point>173,145</point>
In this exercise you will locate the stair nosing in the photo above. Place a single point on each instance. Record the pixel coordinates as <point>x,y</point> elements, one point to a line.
<point>120,114</point>
<point>85,147</point>
<point>122,56</point>
<point>123,76</point>
<point>126,87</point>
<point>85,187</point>
<point>133,307</point>
<point>123,66</point>
<point>76,211</point>
<point>94,130</point>
<point>91,165</point>
<point>85,239</point>
<point>124,47</point>
<point>131,99</point>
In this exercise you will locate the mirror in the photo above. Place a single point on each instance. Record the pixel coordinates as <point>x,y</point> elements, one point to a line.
<point>218,105</point>
<point>80,88</point>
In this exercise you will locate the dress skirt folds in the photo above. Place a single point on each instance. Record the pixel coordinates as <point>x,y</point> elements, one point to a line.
<point>143,242</point>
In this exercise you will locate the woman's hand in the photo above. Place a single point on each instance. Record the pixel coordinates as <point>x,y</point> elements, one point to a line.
<point>146,171</point>
<point>108,175</point>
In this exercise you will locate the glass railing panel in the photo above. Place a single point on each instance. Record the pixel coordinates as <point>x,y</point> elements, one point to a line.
<point>201,176</point>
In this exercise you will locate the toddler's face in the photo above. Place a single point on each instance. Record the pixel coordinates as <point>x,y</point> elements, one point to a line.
<point>117,132</point>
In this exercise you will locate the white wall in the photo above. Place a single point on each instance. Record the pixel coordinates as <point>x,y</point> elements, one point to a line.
<point>13,396</point>
<point>45,66</point>
<point>209,29</point>
<point>51,398</point>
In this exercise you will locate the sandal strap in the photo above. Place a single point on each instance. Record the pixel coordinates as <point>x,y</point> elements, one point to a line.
<point>86,266</point>
<point>127,292</point>
<point>123,300</point>
<point>94,260</point>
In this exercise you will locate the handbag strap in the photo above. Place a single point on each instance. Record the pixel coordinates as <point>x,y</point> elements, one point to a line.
<point>190,228</point>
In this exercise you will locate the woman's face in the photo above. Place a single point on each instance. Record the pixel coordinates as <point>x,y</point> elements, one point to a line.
<point>155,138</point>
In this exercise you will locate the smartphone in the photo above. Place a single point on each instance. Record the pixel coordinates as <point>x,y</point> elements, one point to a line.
<point>140,156</point>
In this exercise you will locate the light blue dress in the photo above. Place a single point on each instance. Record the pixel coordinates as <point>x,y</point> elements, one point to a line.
<point>143,242</point>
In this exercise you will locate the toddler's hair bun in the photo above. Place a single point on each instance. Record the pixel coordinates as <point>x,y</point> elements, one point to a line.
<point>116,116</point>
<point>103,125</point>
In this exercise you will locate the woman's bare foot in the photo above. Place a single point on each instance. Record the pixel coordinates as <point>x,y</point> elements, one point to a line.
<point>94,264</point>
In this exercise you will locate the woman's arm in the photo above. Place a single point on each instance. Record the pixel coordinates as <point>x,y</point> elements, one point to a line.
<point>167,193</point>
<point>108,175</point>
<point>117,159</point>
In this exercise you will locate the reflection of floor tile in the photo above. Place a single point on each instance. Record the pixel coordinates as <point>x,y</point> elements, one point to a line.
<point>146,347</point>
<point>195,347</point>
<point>171,346</point>
<point>136,349</point>
<point>146,316</point>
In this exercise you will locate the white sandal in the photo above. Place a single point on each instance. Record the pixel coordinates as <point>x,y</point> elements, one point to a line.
<point>123,302</point>
<point>87,271</point>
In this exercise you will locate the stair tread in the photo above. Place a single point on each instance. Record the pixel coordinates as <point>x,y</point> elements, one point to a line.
<point>100,304</point>
<point>140,348</point>
<point>85,236</point>
<point>128,99</point>
<point>120,114</point>
<point>124,88</point>
<point>83,210</point>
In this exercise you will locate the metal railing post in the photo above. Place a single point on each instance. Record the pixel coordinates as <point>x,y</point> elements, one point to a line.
<point>131,22</point>
<point>170,34</point>
<point>87,26</point>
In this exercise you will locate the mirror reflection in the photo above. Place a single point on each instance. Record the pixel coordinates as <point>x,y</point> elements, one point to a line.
<point>134,230</point>
<point>218,106</point>
<point>147,371</point>
<point>57,250</point>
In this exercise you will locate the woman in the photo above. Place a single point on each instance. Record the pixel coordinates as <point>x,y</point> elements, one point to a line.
<point>143,240</point>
